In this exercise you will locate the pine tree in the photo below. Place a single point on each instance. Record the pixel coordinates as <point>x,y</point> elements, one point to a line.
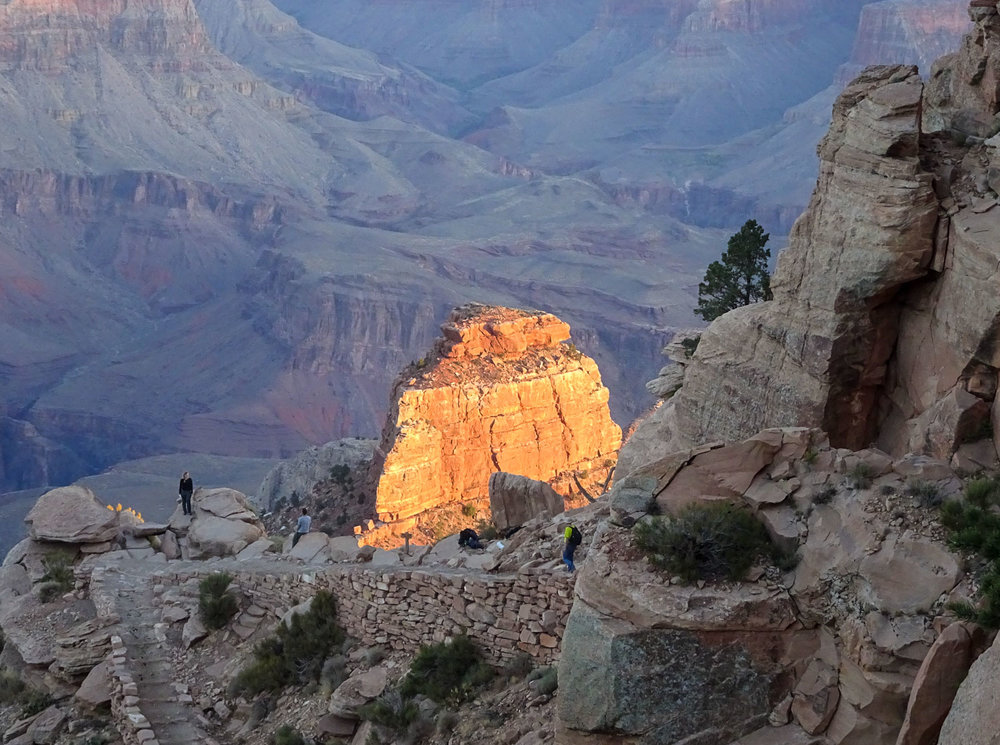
<point>740,277</point>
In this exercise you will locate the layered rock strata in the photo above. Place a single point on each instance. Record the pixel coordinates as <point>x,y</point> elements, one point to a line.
<point>501,391</point>
<point>830,648</point>
<point>883,326</point>
<point>818,353</point>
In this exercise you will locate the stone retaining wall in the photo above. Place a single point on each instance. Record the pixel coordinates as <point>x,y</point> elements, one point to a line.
<point>397,608</point>
<point>404,608</point>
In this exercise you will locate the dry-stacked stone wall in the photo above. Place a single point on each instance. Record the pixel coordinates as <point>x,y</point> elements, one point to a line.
<point>399,608</point>
<point>403,609</point>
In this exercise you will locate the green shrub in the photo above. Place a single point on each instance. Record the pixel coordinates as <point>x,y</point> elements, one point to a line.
<point>825,495</point>
<point>690,345</point>
<point>216,605</point>
<point>810,455</point>
<point>983,492</point>
<point>447,720</point>
<point>58,570</point>
<point>34,701</point>
<point>287,735</point>
<point>861,475</point>
<point>392,710</point>
<point>333,673</point>
<point>713,540</point>
<point>548,681</point>
<point>374,655</point>
<point>974,527</point>
<point>49,591</point>
<point>519,666</point>
<point>341,474</point>
<point>486,530</point>
<point>927,493</point>
<point>448,672</point>
<point>11,686</point>
<point>296,653</point>
<point>469,510</point>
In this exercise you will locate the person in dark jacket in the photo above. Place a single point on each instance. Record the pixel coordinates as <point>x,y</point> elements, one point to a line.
<point>470,538</point>
<point>185,490</point>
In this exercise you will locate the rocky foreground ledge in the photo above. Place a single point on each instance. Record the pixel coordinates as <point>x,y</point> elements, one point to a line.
<point>854,645</point>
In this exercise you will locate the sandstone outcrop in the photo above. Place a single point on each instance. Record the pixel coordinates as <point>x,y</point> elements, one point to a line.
<point>223,523</point>
<point>501,391</point>
<point>974,718</point>
<point>72,514</point>
<point>514,500</point>
<point>818,353</point>
<point>834,644</point>
<point>883,323</point>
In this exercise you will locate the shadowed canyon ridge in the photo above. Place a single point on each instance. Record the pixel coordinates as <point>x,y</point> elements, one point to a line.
<point>225,225</point>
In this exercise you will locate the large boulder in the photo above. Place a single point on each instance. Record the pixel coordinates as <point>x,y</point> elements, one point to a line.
<point>223,524</point>
<point>71,514</point>
<point>941,673</point>
<point>974,718</point>
<point>514,500</point>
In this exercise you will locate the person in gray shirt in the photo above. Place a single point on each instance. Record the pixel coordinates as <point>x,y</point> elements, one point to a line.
<point>302,526</point>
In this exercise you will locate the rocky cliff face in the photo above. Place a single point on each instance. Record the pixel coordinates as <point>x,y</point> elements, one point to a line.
<point>835,648</point>
<point>907,32</point>
<point>54,35</point>
<point>500,392</point>
<point>883,324</point>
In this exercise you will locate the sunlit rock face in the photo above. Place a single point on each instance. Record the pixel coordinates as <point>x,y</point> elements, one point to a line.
<point>500,392</point>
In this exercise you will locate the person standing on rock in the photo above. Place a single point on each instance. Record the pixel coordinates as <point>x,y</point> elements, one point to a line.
<point>185,490</point>
<point>302,526</point>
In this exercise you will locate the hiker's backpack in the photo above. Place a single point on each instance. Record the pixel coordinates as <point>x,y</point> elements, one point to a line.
<point>575,536</point>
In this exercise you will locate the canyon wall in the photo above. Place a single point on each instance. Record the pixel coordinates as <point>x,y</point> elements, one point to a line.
<point>884,321</point>
<point>500,392</point>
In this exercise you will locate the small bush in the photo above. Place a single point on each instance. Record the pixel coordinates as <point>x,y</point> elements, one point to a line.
<point>374,655</point>
<point>340,474</point>
<point>448,673</point>
<point>469,510</point>
<point>810,455</point>
<point>296,653</point>
<point>713,540</point>
<point>861,475</point>
<point>11,686</point>
<point>519,666</point>
<point>487,530</point>
<point>49,591</point>
<point>548,682</point>
<point>983,492</point>
<point>446,722</point>
<point>392,710</point>
<point>690,345</point>
<point>333,673</point>
<point>825,495</point>
<point>58,571</point>
<point>926,493</point>
<point>974,526</point>
<point>216,605</point>
<point>34,701</point>
<point>287,735</point>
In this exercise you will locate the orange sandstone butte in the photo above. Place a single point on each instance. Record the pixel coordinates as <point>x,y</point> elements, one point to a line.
<point>501,391</point>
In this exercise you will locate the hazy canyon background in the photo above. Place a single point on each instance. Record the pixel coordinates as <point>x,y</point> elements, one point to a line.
<point>225,225</point>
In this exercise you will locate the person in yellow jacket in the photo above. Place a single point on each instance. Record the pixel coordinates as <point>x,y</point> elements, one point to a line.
<point>571,539</point>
